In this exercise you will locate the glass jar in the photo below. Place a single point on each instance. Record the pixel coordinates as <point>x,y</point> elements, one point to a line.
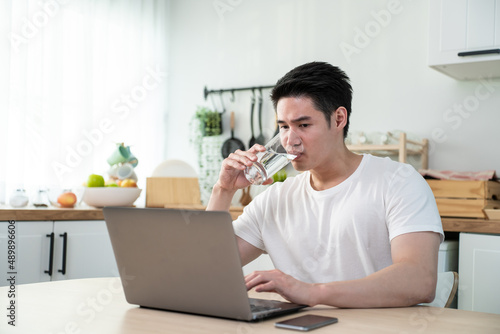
<point>18,199</point>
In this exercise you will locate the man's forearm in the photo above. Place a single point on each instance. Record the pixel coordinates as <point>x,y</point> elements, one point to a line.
<point>410,280</point>
<point>220,200</point>
<point>398,285</point>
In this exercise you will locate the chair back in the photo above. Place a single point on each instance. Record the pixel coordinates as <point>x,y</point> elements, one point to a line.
<point>446,289</point>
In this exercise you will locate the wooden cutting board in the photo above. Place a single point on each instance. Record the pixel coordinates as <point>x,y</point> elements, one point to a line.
<point>161,191</point>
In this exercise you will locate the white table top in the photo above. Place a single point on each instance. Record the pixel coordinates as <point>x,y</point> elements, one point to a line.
<point>98,305</point>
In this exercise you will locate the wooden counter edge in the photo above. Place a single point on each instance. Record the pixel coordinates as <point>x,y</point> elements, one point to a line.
<point>471,225</point>
<point>34,214</point>
<point>44,214</point>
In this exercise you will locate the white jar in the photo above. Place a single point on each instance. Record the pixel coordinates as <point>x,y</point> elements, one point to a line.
<point>18,199</point>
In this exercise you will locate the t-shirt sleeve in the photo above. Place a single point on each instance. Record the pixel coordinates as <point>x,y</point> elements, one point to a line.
<point>248,226</point>
<point>411,206</point>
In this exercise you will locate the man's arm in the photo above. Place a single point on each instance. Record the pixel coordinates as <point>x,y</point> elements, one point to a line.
<point>220,199</point>
<point>232,178</point>
<point>248,252</point>
<point>410,280</point>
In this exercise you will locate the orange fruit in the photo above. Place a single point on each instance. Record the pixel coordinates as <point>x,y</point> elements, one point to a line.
<point>128,183</point>
<point>67,200</point>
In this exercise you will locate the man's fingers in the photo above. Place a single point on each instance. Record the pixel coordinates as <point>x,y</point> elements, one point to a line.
<point>241,159</point>
<point>254,279</point>
<point>244,158</point>
<point>261,285</point>
<point>257,148</point>
<point>234,163</point>
<point>268,181</point>
<point>266,287</point>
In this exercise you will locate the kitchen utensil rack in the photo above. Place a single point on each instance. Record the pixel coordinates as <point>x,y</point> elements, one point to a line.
<point>207,92</point>
<point>403,148</point>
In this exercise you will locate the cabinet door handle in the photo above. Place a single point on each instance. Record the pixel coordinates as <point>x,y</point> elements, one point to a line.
<point>51,254</point>
<point>65,245</point>
<point>479,52</point>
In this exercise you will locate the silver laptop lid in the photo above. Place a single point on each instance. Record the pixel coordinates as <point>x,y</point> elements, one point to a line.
<point>179,260</point>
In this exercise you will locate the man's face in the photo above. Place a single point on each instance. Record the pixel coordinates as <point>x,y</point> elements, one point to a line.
<point>301,123</point>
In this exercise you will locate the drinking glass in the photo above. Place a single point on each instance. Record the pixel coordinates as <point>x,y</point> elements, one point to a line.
<point>273,159</point>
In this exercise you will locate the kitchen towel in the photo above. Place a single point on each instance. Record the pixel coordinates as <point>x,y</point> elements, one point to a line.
<point>454,175</point>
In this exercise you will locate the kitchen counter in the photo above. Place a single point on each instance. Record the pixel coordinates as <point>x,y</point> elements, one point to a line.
<point>89,213</point>
<point>471,225</point>
<point>80,213</point>
<point>50,213</point>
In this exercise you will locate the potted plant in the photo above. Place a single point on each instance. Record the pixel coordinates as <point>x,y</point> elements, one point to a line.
<point>209,122</point>
<point>206,127</point>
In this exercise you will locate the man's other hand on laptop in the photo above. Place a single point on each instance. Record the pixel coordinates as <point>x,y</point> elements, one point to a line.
<point>288,287</point>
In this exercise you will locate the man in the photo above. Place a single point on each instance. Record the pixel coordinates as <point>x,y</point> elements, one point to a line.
<point>351,230</point>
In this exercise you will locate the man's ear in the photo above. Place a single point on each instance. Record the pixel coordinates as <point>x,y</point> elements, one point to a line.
<point>340,117</point>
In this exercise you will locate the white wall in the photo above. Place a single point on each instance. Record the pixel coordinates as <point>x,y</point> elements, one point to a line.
<point>256,42</point>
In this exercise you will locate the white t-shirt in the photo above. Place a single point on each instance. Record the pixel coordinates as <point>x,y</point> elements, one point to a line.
<point>344,232</point>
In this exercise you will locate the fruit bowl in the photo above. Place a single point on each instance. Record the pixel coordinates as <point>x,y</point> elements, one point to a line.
<point>110,196</point>
<point>56,200</point>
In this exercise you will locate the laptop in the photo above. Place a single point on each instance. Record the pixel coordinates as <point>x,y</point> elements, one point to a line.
<point>185,261</point>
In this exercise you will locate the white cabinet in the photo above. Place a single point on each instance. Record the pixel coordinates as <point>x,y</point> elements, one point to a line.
<point>464,38</point>
<point>31,247</point>
<point>88,250</point>
<point>47,250</point>
<point>479,273</point>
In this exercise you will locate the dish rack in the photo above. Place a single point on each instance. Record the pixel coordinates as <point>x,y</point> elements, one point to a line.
<point>403,148</point>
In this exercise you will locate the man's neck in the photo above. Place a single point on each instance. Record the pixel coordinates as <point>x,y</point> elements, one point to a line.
<point>343,166</point>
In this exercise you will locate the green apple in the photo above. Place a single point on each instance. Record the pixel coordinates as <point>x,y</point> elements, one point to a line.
<point>110,183</point>
<point>95,180</point>
<point>280,176</point>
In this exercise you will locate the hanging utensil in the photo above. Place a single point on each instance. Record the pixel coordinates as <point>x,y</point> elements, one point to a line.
<point>213,102</point>
<point>232,144</point>
<point>252,140</point>
<point>246,198</point>
<point>260,138</point>
<point>222,103</point>
<point>223,111</point>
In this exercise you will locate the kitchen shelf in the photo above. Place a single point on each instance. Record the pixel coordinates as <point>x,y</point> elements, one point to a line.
<point>403,148</point>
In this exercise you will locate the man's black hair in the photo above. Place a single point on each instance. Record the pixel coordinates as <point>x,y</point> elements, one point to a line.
<point>326,85</point>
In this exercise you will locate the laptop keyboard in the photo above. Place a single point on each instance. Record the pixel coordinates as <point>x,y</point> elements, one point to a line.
<point>260,306</point>
<point>259,309</point>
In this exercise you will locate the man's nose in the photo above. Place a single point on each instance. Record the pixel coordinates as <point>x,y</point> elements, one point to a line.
<point>291,138</point>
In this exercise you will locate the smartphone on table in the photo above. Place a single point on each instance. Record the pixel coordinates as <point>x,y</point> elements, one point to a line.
<point>306,322</point>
